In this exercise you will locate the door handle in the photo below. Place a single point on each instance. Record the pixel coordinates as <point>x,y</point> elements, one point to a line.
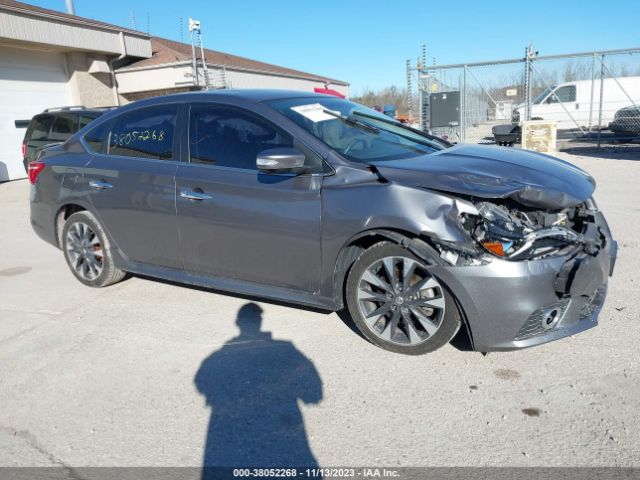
<point>99,184</point>
<point>194,195</point>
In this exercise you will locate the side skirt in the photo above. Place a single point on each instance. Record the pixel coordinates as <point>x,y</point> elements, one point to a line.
<point>228,285</point>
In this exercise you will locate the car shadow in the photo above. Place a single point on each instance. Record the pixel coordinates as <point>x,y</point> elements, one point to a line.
<point>252,298</point>
<point>252,385</point>
<point>461,341</point>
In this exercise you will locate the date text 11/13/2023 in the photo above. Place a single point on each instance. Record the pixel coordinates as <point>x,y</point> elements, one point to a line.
<point>316,472</point>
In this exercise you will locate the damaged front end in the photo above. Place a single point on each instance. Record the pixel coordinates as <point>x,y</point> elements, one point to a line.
<point>523,247</point>
<point>515,233</point>
<point>527,275</point>
<point>507,230</point>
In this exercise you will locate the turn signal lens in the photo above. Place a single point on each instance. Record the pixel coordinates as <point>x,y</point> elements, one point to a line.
<point>34,170</point>
<point>494,247</point>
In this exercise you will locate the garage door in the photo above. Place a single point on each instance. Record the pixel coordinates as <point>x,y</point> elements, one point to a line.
<point>30,81</point>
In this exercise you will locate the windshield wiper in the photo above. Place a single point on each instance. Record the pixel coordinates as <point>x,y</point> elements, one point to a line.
<point>395,123</point>
<point>352,121</point>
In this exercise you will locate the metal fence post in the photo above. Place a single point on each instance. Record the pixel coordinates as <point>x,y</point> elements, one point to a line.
<point>601,95</point>
<point>463,107</point>
<point>409,92</point>
<point>530,85</point>
<point>425,113</point>
<point>421,118</point>
<point>527,84</point>
<point>593,87</point>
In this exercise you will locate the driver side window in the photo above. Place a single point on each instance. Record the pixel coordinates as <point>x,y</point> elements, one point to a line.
<point>230,137</point>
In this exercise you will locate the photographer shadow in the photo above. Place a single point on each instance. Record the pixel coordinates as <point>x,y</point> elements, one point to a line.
<point>252,385</point>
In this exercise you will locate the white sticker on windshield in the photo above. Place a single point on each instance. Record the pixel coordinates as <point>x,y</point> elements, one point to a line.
<point>314,112</point>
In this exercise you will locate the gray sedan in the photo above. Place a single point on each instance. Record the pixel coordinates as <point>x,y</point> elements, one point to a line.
<point>318,201</point>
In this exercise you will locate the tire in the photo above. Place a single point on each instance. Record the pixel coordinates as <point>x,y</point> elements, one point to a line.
<point>87,251</point>
<point>417,316</point>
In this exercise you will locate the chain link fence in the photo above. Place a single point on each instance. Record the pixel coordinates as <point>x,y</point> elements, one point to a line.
<point>592,98</point>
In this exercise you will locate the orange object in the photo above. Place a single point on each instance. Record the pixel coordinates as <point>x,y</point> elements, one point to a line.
<point>495,247</point>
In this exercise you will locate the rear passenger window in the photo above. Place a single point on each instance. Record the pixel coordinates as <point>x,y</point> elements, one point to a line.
<point>63,127</point>
<point>230,137</point>
<point>97,138</point>
<point>145,133</point>
<point>41,127</point>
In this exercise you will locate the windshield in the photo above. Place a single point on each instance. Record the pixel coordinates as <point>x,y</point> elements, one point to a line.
<point>359,133</point>
<point>541,96</point>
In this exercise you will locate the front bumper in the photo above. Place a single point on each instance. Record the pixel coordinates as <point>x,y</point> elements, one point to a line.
<point>511,305</point>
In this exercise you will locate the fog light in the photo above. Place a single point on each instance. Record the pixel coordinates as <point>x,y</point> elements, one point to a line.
<point>544,319</point>
<point>551,318</point>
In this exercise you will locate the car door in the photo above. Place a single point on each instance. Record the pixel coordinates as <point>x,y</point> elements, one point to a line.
<point>131,183</point>
<point>236,222</point>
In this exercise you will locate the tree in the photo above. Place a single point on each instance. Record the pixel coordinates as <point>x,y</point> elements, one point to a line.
<point>391,95</point>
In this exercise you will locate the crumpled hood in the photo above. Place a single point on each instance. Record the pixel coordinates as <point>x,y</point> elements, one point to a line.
<point>530,178</point>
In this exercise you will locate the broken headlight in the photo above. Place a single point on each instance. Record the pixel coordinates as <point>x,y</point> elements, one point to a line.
<point>514,234</point>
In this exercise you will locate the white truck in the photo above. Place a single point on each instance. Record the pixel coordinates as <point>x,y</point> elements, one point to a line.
<point>570,103</point>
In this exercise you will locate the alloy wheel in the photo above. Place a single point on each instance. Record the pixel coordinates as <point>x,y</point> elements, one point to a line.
<point>84,250</point>
<point>400,301</point>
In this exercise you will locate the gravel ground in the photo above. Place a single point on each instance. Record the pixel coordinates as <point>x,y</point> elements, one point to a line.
<point>120,376</point>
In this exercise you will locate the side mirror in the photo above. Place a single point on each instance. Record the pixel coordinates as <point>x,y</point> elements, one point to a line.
<point>278,160</point>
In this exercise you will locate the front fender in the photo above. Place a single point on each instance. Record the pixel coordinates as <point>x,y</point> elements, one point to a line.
<point>350,212</point>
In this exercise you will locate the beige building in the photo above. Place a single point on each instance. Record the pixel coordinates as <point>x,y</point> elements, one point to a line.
<point>170,69</point>
<point>52,59</point>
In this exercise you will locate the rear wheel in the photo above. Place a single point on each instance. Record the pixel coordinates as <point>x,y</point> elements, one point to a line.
<point>397,304</point>
<point>87,251</point>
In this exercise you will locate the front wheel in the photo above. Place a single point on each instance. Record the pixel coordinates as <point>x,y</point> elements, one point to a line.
<point>397,304</point>
<point>86,249</point>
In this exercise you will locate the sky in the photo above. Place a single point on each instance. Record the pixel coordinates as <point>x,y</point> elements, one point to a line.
<point>367,43</point>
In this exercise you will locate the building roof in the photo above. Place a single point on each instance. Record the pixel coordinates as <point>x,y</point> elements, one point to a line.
<point>54,14</point>
<point>170,52</point>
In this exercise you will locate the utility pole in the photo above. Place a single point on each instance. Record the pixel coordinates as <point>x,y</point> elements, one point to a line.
<point>194,28</point>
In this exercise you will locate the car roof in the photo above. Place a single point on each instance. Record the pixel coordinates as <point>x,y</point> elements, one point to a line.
<point>263,95</point>
<point>251,95</point>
